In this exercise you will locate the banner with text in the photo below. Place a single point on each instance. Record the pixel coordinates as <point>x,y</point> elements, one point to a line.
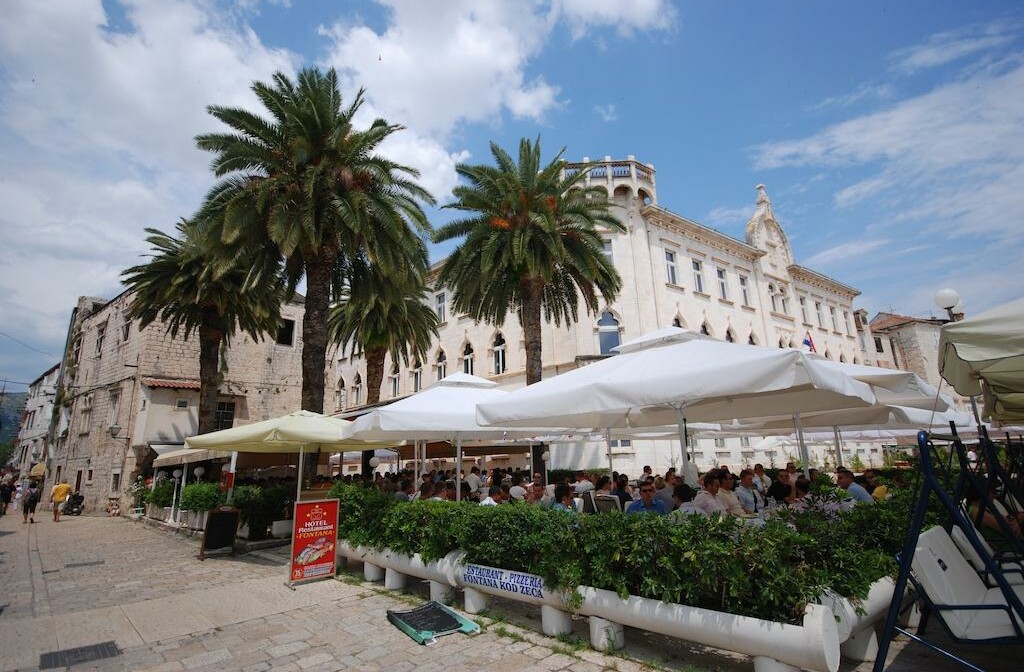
<point>314,538</point>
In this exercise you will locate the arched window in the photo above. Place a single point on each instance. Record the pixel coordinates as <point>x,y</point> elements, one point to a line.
<point>842,358</point>
<point>467,359</point>
<point>607,332</point>
<point>339,394</point>
<point>442,365</point>
<point>782,344</point>
<point>729,337</point>
<point>393,380</point>
<point>773,296</point>
<point>750,340</point>
<point>499,354</point>
<point>417,376</point>
<point>357,389</point>
<point>676,322</point>
<point>705,330</point>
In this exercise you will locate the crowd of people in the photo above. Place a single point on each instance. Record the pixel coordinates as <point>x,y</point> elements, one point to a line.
<point>748,493</point>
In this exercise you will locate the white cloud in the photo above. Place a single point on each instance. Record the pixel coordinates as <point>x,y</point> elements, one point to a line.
<point>946,47</point>
<point>731,217</point>
<point>606,112</point>
<point>846,252</point>
<point>856,193</point>
<point>864,92</point>
<point>627,17</point>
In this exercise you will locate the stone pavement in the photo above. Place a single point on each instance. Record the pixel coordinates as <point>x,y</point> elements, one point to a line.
<point>89,580</point>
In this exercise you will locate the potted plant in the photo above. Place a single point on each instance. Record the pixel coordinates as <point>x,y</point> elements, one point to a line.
<point>198,499</point>
<point>159,499</point>
<point>259,507</point>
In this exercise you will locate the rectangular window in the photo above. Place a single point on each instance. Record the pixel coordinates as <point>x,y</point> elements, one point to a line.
<point>821,315</point>
<point>88,477</point>
<point>115,482</point>
<point>224,416</point>
<point>745,441</point>
<point>499,360</point>
<point>115,403</point>
<point>76,350</point>
<point>126,330</point>
<point>744,290</point>
<point>394,385</point>
<point>101,332</point>
<point>442,370</point>
<point>719,443</point>
<point>608,249</point>
<point>86,415</point>
<point>467,364</point>
<point>286,334</point>
<point>803,310</point>
<point>181,405</point>
<point>835,320</point>
<point>846,323</point>
<point>723,285</point>
<point>417,379</point>
<point>784,294</point>
<point>698,276</point>
<point>356,392</point>
<point>670,267</point>
<point>878,345</point>
<point>442,313</point>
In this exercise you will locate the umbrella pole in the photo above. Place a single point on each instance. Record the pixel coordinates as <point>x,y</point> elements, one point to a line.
<point>458,468</point>
<point>683,447</point>
<point>608,446</point>
<point>839,446</point>
<point>805,457</point>
<point>298,479</point>
<point>234,462</point>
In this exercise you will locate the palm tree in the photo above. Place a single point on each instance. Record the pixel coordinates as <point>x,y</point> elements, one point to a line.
<point>309,185</point>
<point>531,245</point>
<point>384,314</point>
<point>193,284</point>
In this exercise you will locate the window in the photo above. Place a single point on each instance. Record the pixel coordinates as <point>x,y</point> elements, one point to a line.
<point>676,322</point>
<point>115,402</point>
<point>719,443</point>
<point>393,380</point>
<point>670,267</point>
<point>620,443</point>
<point>101,332</point>
<point>846,323</point>
<point>357,389</point>
<point>286,333</point>
<point>607,242</point>
<point>784,295</point>
<point>417,376</point>
<point>76,350</point>
<point>607,333</point>
<point>86,424</point>
<point>819,313</point>
<point>745,441</point>
<point>744,290</point>
<point>704,329</point>
<point>803,310</point>
<point>835,320</point>
<point>126,330</point>
<point>750,339</point>
<point>88,477</point>
<point>773,296</point>
<point>442,365</point>
<point>224,416</point>
<point>729,337</point>
<point>878,345</point>
<point>467,359</point>
<point>499,354</point>
<point>698,276</point>
<point>181,405</point>
<point>723,286</point>
<point>439,302</point>
<point>339,394</point>
<point>115,482</point>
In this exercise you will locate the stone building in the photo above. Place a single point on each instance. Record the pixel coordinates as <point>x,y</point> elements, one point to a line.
<point>126,393</point>
<point>675,271</point>
<point>33,438</point>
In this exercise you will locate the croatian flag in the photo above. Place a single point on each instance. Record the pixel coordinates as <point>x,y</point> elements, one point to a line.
<point>809,342</point>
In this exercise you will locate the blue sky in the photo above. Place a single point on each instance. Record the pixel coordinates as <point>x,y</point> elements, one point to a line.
<point>889,134</point>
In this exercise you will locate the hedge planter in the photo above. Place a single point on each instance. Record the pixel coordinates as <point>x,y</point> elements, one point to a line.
<point>814,644</point>
<point>281,529</point>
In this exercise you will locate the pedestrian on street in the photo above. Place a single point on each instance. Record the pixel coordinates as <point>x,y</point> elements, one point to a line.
<point>6,493</point>
<point>30,498</point>
<point>58,495</point>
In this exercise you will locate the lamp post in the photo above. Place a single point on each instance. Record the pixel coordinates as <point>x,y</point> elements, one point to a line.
<point>174,500</point>
<point>544,457</point>
<point>374,463</point>
<point>948,299</point>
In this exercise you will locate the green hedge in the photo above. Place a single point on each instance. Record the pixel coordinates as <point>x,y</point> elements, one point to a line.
<point>201,496</point>
<point>712,562</point>
<point>162,494</point>
<point>259,507</point>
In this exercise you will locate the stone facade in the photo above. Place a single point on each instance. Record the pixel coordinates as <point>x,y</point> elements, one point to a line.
<point>674,271</point>
<point>33,438</point>
<point>126,389</point>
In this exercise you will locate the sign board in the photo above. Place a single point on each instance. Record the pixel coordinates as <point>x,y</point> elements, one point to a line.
<point>219,533</point>
<point>314,540</point>
<point>514,583</point>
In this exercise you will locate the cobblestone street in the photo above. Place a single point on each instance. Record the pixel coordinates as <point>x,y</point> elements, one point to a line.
<point>89,580</point>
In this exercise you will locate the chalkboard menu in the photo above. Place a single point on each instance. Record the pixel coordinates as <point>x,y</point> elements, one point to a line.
<point>219,535</point>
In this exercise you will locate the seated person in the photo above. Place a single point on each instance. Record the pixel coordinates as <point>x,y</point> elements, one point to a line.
<point>845,480</point>
<point>622,491</point>
<point>748,495</point>
<point>781,490</point>
<point>990,527</point>
<point>726,495</point>
<point>878,490</point>
<point>563,498</point>
<point>517,492</point>
<point>682,496</point>
<point>493,497</point>
<point>705,500</point>
<point>647,502</point>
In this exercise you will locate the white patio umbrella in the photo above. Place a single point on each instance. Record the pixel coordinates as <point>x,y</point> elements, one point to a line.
<point>984,355</point>
<point>298,432</point>
<point>445,411</point>
<point>675,375</point>
<point>892,387</point>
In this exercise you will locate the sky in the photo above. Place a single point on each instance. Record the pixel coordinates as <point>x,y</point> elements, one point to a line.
<point>890,135</point>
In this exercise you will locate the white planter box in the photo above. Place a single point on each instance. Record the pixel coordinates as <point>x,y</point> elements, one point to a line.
<point>281,529</point>
<point>196,520</point>
<point>243,531</point>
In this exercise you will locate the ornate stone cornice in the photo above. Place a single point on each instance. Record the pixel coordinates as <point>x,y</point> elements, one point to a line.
<point>798,272</point>
<point>670,221</point>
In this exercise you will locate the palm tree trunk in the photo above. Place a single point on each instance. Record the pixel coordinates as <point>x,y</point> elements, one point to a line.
<point>529,319</point>
<point>209,364</point>
<point>314,328</point>
<point>374,373</point>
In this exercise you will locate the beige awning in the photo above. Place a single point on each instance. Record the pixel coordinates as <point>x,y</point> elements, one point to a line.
<point>186,456</point>
<point>38,471</point>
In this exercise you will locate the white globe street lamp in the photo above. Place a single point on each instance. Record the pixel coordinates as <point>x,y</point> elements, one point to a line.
<point>199,471</point>
<point>948,299</point>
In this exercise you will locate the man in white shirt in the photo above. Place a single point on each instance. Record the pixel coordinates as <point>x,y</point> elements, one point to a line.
<point>473,481</point>
<point>726,495</point>
<point>493,497</point>
<point>761,480</point>
<point>705,499</point>
<point>517,491</point>
<point>582,484</point>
